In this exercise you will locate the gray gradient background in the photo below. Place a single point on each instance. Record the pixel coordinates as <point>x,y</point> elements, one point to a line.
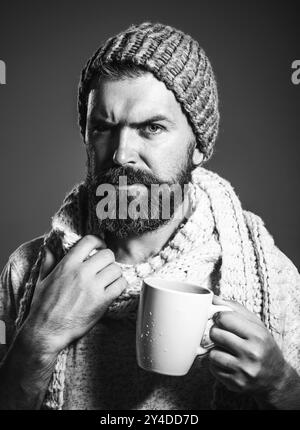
<point>251,46</point>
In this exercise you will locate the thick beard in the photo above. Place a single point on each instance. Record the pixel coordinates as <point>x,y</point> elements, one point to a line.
<point>122,228</point>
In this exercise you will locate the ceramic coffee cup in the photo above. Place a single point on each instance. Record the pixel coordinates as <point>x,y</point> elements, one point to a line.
<point>171,321</point>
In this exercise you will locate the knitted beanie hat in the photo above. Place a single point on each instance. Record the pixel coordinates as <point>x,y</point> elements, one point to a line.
<point>174,58</point>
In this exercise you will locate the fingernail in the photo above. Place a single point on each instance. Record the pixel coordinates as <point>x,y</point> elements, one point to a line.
<point>216,317</point>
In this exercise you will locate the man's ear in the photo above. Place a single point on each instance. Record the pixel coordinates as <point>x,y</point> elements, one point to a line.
<point>197,157</point>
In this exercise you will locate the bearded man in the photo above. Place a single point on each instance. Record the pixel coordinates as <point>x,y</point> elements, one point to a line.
<point>148,112</point>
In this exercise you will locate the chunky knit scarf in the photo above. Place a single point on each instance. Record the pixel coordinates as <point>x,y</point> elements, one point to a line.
<point>217,226</point>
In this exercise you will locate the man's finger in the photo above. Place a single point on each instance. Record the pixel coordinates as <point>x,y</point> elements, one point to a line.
<point>109,274</point>
<point>47,265</point>
<point>237,307</point>
<point>236,323</point>
<point>99,260</point>
<point>227,340</point>
<point>223,360</point>
<point>116,288</point>
<point>83,248</point>
<point>227,378</point>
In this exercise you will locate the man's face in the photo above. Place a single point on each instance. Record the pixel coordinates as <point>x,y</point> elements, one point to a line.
<point>136,126</point>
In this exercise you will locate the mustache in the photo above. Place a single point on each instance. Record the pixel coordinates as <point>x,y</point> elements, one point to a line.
<point>133,176</point>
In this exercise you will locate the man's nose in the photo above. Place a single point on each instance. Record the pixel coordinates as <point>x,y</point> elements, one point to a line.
<point>125,148</point>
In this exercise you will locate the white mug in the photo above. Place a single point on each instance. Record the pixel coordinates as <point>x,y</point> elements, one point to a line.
<point>171,320</point>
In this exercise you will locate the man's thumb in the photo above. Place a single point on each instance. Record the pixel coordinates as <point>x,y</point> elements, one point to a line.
<point>47,265</point>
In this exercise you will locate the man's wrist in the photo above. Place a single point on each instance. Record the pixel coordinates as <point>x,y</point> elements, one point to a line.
<point>25,373</point>
<point>285,392</point>
<point>29,345</point>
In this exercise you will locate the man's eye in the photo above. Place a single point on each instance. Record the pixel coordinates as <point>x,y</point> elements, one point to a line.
<point>101,128</point>
<point>153,128</point>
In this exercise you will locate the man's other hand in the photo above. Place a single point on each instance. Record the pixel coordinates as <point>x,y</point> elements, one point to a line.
<point>71,296</point>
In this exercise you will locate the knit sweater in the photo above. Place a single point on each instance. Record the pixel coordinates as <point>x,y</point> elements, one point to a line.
<point>99,371</point>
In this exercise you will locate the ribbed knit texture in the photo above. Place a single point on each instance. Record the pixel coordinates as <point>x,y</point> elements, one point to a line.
<point>217,224</point>
<point>174,58</point>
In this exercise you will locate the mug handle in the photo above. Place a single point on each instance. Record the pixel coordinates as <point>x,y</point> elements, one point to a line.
<point>213,309</point>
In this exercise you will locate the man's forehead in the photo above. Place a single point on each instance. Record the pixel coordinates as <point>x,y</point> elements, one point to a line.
<point>141,97</point>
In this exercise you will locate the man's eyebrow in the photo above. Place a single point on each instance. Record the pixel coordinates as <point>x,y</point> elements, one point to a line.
<point>155,118</point>
<point>151,119</point>
<point>96,119</point>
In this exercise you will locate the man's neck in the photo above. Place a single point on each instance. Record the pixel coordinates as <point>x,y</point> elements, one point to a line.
<point>136,249</point>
